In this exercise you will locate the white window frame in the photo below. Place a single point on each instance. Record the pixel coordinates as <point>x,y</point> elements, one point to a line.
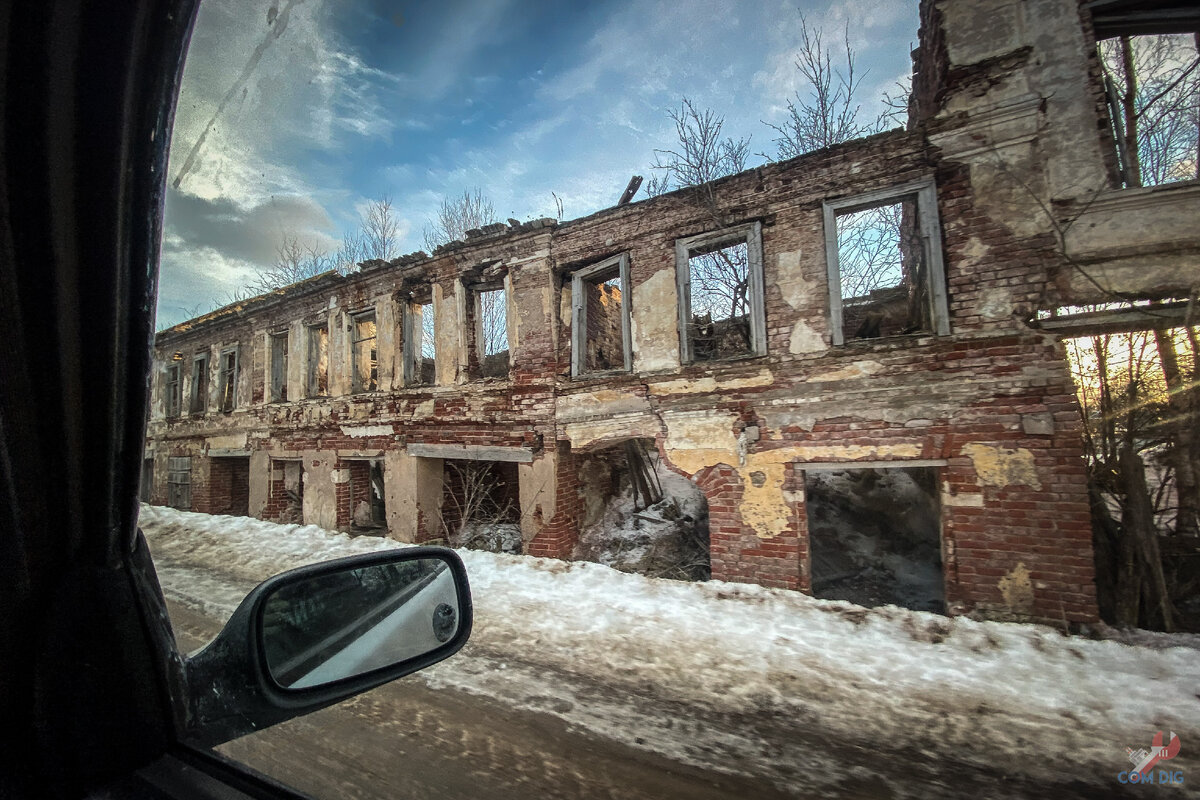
<point>312,367</point>
<point>579,314</point>
<point>751,234</point>
<point>360,384</point>
<point>223,379</point>
<point>929,229</point>
<point>198,400</point>
<point>477,292</point>
<point>173,390</point>
<point>277,393</point>
<point>413,338</point>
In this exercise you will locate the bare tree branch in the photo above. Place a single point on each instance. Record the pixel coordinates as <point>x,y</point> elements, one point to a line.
<point>830,112</point>
<point>456,216</point>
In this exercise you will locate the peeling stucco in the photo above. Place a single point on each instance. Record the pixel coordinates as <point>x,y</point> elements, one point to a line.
<point>1002,466</point>
<point>856,369</point>
<point>995,304</point>
<point>655,334</point>
<point>708,384</point>
<point>233,441</point>
<point>696,440</point>
<point>358,431</point>
<point>538,497</point>
<point>1017,590</point>
<point>806,339</point>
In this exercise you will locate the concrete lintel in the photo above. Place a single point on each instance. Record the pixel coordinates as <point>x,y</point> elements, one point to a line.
<point>221,452</point>
<point>471,452</point>
<point>359,455</point>
<point>838,465</point>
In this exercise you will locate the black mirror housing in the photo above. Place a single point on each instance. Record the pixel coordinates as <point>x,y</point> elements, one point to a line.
<point>252,676</point>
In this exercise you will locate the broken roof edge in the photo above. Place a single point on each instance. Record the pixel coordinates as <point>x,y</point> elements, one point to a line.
<point>493,233</point>
<point>784,164</point>
<point>260,301</point>
<point>496,230</point>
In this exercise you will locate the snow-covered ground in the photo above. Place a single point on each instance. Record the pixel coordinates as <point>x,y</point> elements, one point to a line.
<point>749,679</point>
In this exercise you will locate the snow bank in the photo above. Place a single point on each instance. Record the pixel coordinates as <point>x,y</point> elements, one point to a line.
<point>1016,697</point>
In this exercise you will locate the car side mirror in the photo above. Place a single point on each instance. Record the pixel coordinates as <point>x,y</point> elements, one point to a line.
<point>319,634</point>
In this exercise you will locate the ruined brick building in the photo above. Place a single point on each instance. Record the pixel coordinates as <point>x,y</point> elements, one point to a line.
<point>339,400</point>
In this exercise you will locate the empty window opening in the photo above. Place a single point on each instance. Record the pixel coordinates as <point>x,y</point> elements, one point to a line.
<point>600,318</point>
<point>229,379</point>
<point>481,505</point>
<point>638,516</point>
<point>318,361</point>
<point>420,345</point>
<point>884,278</point>
<point>721,295</point>
<point>364,353</point>
<point>491,332</point>
<point>286,501</point>
<point>172,391</point>
<point>279,367</point>
<point>199,398</point>
<point>875,536</point>
<point>229,486</point>
<point>179,482</point>
<point>368,508</point>
<point>1151,85</point>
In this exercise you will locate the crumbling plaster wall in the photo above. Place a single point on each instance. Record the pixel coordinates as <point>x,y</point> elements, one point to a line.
<point>413,496</point>
<point>1012,92</point>
<point>991,406</point>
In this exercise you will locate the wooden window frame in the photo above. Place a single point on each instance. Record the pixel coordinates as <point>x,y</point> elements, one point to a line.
<point>751,234</point>
<point>579,315</point>
<point>929,230</point>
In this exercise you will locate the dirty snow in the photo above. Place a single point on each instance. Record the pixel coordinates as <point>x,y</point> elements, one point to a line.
<point>677,667</point>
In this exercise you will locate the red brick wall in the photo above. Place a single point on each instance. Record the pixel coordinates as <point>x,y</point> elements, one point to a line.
<point>228,488</point>
<point>560,535</point>
<point>737,553</point>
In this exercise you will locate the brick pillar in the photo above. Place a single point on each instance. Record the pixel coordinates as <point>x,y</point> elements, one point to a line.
<point>558,537</point>
<point>341,492</point>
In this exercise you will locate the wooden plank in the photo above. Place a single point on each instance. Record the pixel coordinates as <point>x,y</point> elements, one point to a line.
<point>630,190</point>
<point>1123,320</point>
<point>834,273</point>
<point>758,305</point>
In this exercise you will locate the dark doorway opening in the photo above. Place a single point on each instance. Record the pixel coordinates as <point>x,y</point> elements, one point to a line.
<point>229,486</point>
<point>875,536</point>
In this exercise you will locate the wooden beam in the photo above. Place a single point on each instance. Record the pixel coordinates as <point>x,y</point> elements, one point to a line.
<point>1123,320</point>
<point>630,190</point>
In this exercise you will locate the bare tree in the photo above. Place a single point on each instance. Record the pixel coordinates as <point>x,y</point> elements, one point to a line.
<point>702,155</point>
<point>379,230</point>
<point>830,113</point>
<point>493,322</point>
<point>295,261</point>
<point>377,236</point>
<point>1155,83</point>
<point>1138,502</point>
<point>456,216</point>
<point>477,513</point>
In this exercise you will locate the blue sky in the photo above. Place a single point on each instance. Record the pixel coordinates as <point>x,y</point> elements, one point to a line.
<point>314,107</point>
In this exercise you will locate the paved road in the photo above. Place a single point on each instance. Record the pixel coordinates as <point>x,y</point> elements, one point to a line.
<point>404,740</point>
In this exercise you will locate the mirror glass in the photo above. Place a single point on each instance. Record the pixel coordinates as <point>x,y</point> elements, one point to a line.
<point>324,628</point>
